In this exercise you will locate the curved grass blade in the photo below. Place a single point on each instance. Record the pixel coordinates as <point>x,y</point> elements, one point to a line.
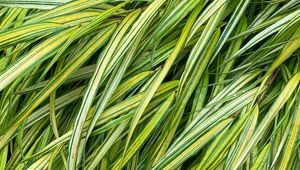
<point>36,4</point>
<point>94,84</point>
<point>158,80</point>
<point>35,56</point>
<point>277,105</point>
<point>98,41</point>
<point>145,133</point>
<point>192,149</point>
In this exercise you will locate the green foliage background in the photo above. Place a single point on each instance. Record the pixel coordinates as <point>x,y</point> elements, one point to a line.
<point>149,84</point>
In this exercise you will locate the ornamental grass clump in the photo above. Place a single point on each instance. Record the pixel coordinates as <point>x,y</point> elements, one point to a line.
<point>149,84</point>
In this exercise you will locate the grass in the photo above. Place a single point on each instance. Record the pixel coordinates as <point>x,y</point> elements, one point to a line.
<point>149,84</point>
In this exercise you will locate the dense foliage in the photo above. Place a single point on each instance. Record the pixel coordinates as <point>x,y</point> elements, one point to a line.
<point>149,84</point>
